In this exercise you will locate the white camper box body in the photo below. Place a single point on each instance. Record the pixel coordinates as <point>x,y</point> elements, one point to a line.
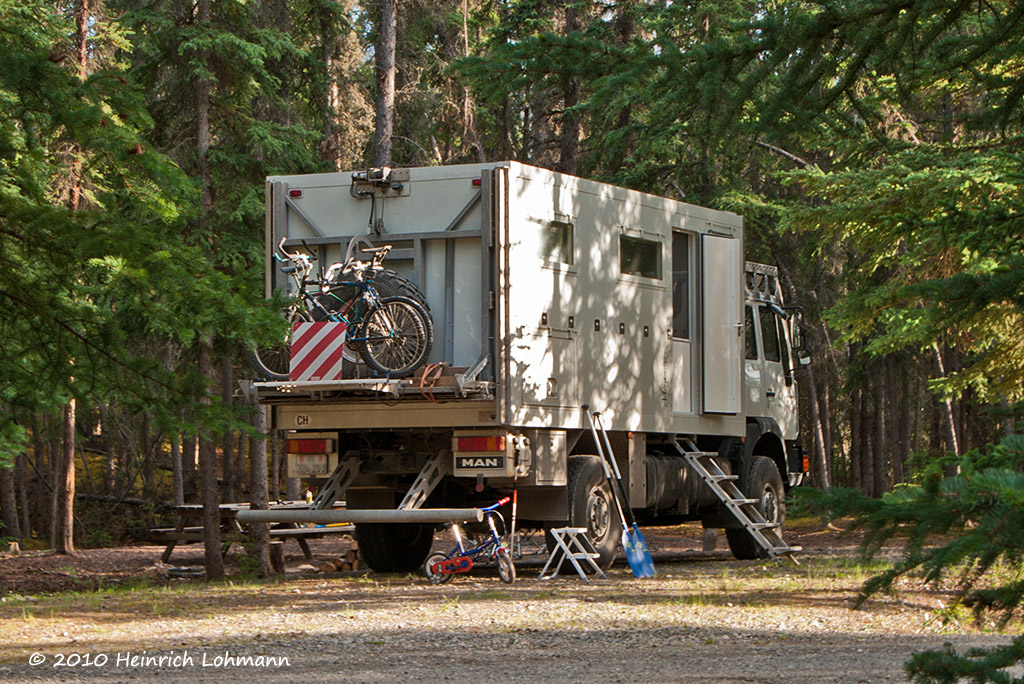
<point>525,269</point>
<point>546,292</point>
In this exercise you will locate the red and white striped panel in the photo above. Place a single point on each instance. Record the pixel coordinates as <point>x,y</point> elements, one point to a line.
<point>316,351</point>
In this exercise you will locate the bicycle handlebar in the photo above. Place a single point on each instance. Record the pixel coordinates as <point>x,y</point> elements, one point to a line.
<point>359,243</point>
<point>500,503</point>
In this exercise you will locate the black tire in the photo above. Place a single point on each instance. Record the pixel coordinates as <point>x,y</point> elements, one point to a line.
<point>392,284</point>
<point>763,483</point>
<point>273,363</point>
<point>398,337</point>
<point>386,283</point>
<point>591,505</point>
<point>436,577</point>
<point>394,547</point>
<point>506,569</point>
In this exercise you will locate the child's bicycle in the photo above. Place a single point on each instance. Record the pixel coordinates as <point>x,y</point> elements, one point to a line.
<point>441,567</point>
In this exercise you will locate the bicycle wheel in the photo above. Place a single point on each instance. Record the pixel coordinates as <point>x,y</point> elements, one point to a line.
<point>506,569</point>
<point>273,363</point>
<point>397,336</point>
<point>436,577</point>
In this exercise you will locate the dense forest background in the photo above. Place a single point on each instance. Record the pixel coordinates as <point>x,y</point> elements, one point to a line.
<point>872,146</point>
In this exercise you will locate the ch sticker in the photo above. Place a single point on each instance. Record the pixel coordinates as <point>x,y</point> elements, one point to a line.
<point>302,420</point>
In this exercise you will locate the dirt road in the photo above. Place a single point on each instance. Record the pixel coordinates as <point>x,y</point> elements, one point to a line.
<point>704,618</point>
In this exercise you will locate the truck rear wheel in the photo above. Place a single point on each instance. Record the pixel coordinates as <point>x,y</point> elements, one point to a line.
<point>591,506</point>
<point>394,547</point>
<point>764,484</point>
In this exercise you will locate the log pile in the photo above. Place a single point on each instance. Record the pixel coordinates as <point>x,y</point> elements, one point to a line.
<point>350,561</point>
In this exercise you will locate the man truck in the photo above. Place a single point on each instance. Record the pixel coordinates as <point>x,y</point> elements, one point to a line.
<point>546,292</point>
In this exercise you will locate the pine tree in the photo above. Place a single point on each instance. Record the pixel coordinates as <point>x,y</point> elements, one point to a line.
<point>965,526</point>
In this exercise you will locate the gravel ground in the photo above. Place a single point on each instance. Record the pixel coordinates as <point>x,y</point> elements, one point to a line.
<point>704,618</point>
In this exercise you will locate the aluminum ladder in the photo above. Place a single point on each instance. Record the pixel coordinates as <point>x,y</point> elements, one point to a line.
<point>745,510</point>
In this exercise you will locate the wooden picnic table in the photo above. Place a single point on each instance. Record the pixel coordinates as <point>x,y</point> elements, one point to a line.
<point>231,531</point>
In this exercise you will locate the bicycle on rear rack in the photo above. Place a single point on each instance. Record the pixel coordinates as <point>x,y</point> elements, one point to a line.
<point>442,567</point>
<point>393,335</point>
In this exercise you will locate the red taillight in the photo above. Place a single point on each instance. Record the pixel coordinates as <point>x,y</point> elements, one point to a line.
<point>807,464</point>
<point>477,182</point>
<point>295,193</point>
<point>494,443</point>
<point>309,446</point>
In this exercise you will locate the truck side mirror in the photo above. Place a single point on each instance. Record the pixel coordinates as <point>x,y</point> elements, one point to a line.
<point>798,335</point>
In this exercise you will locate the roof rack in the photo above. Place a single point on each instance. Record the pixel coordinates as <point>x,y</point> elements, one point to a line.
<point>762,283</point>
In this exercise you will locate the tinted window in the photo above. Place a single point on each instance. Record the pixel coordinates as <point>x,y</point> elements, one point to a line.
<point>770,335</point>
<point>639,257</point>
<point>681,285</point>
<point>556,242</point>
<point>749,335</point>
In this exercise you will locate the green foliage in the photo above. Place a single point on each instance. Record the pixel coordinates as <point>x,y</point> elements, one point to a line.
<point>965,525</point>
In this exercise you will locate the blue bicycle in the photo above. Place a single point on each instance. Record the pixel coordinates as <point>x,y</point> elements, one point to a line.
<point>442,567</point>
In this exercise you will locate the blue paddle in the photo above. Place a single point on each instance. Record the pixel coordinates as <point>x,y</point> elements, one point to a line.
<point>633,543</point>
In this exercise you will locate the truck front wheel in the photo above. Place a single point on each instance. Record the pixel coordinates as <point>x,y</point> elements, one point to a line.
<point>591,506</point>
<point>394,547</point>
<point>764,484</point>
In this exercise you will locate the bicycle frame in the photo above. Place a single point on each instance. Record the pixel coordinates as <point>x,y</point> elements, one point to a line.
<point>460,558</point>
<point>366,295</point>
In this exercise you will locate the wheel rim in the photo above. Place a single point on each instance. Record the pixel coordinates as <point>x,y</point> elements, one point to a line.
<point>769,504</point>
<point>276,359</point>
<point>506,571</point>
<point>598,514</point>
<point>392,336</point>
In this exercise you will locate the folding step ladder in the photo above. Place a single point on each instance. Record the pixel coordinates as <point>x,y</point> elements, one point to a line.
<point>745,510</point>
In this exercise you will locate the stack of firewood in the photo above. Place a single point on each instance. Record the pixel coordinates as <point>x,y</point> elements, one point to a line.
<point>350,561</point>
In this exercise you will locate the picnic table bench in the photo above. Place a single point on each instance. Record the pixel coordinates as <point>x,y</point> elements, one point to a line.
<point>231,531</point>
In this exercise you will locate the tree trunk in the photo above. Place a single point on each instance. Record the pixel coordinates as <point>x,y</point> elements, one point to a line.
<point>385,102</point>
<point>952,439</point>
<point>228,438</point>
<point>240,469</point>
<point>190,464</point>
<point>53,452</point>
<point>64,538</point>
<point>820,469</point>
<point>883,441</point>
<point>21,489</point>
<point>869,439</point>
<point>275,467</point>
<point>9,503</point>
<point>897,421</point>
<point>148,458</point>
<point>177,471</point>
<point>202,102</point>
<point>569,140</point>
<point>208,482</point>
<point>258,488</point>
<point>856,412</point>
<point>293,489</point>
<point>110,470</point>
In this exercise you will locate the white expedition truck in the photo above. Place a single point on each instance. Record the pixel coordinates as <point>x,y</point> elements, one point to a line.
<point>546,292</point>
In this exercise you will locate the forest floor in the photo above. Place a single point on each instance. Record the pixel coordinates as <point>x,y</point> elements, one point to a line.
<point>118,615</point>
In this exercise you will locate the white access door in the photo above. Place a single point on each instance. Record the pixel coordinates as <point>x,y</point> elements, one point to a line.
<point>722,306</point>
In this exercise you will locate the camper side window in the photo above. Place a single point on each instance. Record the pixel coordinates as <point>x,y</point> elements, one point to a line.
<point>681,286</point>
<point>639,257</point>
<point>556,242</point>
